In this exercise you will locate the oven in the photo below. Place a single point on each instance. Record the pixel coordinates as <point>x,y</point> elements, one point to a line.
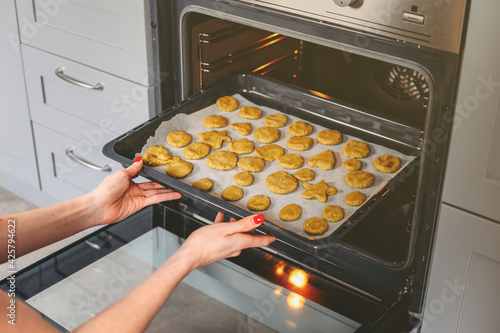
<point>384,71</point>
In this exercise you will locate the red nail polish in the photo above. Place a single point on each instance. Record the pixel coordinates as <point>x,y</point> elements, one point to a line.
<point>137,159</point>
<point>258,219</point>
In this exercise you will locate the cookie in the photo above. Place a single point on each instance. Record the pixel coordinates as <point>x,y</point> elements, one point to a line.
<point>315,226</point>
<point>227,103</point>
<point>232,193</point>
<point>243,178</point>
<point>178,168</point>
<point>355,198</point>
<point>266,134</point>
<point>204,184</point>
<point>319,191</point>
<point>359,179</point>
<point>242,128</point>
<point>269,152</point>
<point>290,212</point>
<point>333,213</point>
<point>215,121</point>
<point>222,160</point>
<point>156,155</point>
<point>352,164</point>
<point>250,112</point>
<point>305,175</point>
<point>355,149</point>
<point>241,146</point>
<point>251,163</point>
<point>299,143</point>
<point>291,161</point>
<point>300,128</point>
<point>329,137</point>
<point>178,139</point>
<point>387,163</point>
<point>259,202</point>
<point>281,182</point>
<point>214,138</point>
<point>276,120</point>
<point>196,150</point>
<point>324,160</point>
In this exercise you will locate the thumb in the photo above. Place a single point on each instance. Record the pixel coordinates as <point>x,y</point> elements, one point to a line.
<point>134,168</point>
<point>246,224</point>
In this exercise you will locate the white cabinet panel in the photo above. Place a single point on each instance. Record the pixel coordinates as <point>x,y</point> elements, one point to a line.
<point>112,35</point>
<point>463,294</point>
<point>473,171</point>
<point>17,151</point>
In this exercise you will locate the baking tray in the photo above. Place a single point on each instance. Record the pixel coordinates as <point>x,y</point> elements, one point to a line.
<point>297,103</point>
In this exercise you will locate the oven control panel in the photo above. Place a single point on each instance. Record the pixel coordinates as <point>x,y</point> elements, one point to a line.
<point>434,23</point>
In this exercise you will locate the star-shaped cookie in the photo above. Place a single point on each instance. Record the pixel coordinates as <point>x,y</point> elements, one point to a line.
<point>319,191</point>
<point>214,138</point>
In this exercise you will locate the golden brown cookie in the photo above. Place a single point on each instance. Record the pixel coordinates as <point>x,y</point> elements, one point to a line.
<point>352,164</point>
<point>305,175</point>
<point>276,120</point>
<point>333,213</point>
<point>299,143</point>
<point>281,182</point>
<point>355,198</point>
<point>387,163</point>
<point>252,163</point>
<point>178,168</point>
<point>359,179</point>
<point>204,184</point>
<point>291,161</point>
<point>215,121</point>
<point>329,137</point>
<point>290,212</point>
<point>232,193</point>
<point>266,134</point>
<point>315,226</point>
<point>241,146</point>
<point>214,138</point>
<point>269,152</point>
<point>156,155</point>
<point>178,139</point>
<point>250,112</point>
<point>300,128</point>
<point>243,178</point>
<point>227,103</point>
<point>324,160</point>
<point>196,150</point>
<point>259,202</point>
<point>222,160</point>
<point>355,149</point>
<point>319,191</point>
<point>242,128</point>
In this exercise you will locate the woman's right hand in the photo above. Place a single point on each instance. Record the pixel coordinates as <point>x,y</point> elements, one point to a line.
<point>223,240</point>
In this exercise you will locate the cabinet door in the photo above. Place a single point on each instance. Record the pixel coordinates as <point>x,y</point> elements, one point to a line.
<point>112,35</point>
<point>463,294</point>
<point>17,152</point>
<point>473,170</point>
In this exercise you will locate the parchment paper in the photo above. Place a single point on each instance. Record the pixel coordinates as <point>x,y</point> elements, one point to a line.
<point>192,124</point>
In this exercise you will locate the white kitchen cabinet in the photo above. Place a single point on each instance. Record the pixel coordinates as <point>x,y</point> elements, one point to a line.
<point>17,152</point>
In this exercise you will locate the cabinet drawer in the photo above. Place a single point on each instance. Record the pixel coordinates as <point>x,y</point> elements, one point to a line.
<point>109,35</point>
<point>68,168</point>
<point>119,106</point>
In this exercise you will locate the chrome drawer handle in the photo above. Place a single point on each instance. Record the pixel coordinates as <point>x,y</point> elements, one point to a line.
<point>60,74</point>
<point>70,152</point>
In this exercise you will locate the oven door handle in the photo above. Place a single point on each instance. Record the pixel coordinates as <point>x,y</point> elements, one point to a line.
<point>60,74</point>
<point>70,152</point>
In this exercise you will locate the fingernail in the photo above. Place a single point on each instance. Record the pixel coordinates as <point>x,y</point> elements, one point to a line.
<point>258,219</point>
<point>137,159</point>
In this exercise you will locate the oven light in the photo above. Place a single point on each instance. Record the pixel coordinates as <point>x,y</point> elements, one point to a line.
<point>280,269</point>
<point>298,278</point>
<point>317,93</point>
<point>295,301</point>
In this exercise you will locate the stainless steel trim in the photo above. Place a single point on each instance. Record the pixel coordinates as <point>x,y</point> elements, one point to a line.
<point>60,74</point>
<point>70,152</point>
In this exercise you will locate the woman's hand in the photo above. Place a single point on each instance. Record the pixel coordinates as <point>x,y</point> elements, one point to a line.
<point>118,197</point>
<point>222,240</point>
